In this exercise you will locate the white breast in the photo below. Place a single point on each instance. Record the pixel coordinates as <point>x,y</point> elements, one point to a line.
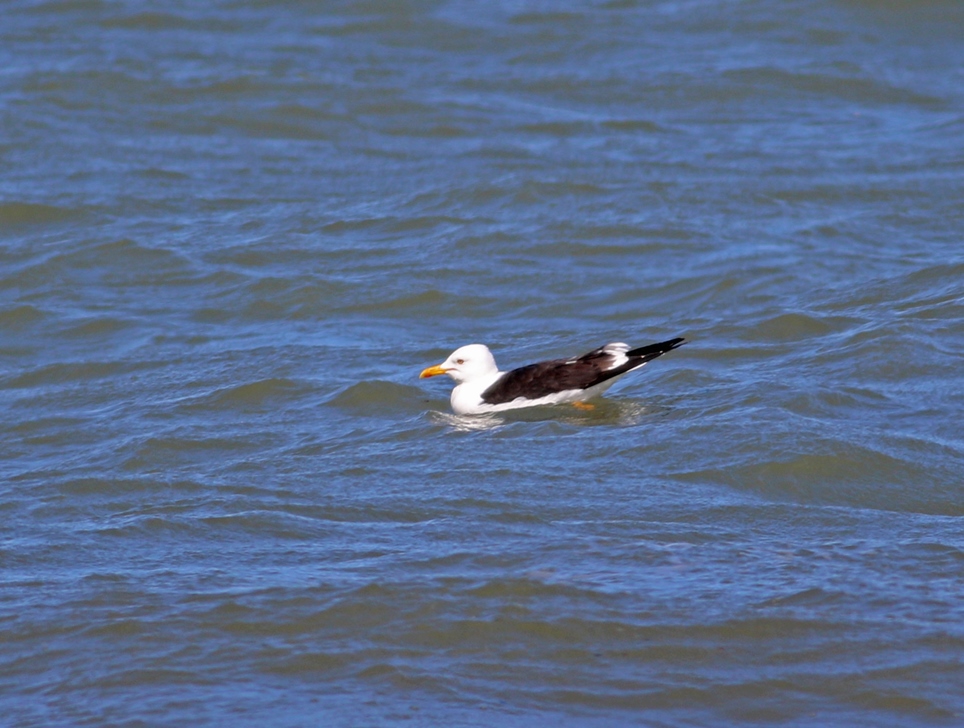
<point>467,397</point>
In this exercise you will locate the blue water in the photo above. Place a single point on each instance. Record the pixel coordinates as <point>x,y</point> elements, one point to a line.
<point>231,236</point>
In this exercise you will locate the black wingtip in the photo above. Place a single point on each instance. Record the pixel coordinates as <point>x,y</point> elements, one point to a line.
<point>654,350</point>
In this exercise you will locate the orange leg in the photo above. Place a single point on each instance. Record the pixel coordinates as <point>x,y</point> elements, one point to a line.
<point>585,406</point>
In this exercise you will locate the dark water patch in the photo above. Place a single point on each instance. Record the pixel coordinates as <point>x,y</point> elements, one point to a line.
<point>889,355</point>
<point>927,289</point>
<point>271,299</point>
<point>939,306</point>
<point>266,393</point>
<point>951,552</point>
<point>163,174</point>
<point>84,91</point>
<point>394,226</point>
<point>126,487</point>
<point>134,528</point>
<point>552,18</point>
<point>380,399</point>
<point>430,301</point>
<point>66,372</point>
<point>273,126</point>
<point>339,227</point>
<point>21,317</point>
<point>122,262</point>
<point>56,436</point>
<point>828,193</point>
<point>14,214</point>
<point>308,113</point>
<point>361,607</point>
<point>259,257</point>
<point>148,21</point>
<point>435,131</point>
<point>44,424</point>
<point>223,205</point>
<point>570,249</point>
<point>845,473</point>
<point>99,327</point>
<point>860,90</point>
<point>152,21</point>
<point>267,298</point>
<point>532,191</point>
<point>887,691</point>
<point>811,597</point>
<point>371,512</point>
<point>558,128</point>
<point>851,403</point>
<point>528,589</point>
<point>278,662</point>
<point>66,6</point>
<point>634,126</point>
<point>261,523</point>
<point>798,325</point>
<point>163,452</point>
<point>669,236</point>
<point>495,240</point>
<point>226,86</point>
<point>391,106</point>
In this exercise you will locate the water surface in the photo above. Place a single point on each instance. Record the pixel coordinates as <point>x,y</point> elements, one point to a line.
<point>232,234</point>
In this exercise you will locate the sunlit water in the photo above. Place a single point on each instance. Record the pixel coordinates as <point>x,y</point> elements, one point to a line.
<point>232,234</point>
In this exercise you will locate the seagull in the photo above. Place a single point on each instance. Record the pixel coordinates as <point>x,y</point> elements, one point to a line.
<point>480,387</point>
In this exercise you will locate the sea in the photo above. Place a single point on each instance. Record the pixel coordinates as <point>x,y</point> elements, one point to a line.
<point>232,234</point>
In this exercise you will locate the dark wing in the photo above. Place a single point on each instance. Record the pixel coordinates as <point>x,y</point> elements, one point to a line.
<point>561,375</point>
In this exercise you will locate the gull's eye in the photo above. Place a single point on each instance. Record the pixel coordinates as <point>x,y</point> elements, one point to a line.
<point>460,361</point>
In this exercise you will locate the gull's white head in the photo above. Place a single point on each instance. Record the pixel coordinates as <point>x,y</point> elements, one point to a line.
<point>468,362</point>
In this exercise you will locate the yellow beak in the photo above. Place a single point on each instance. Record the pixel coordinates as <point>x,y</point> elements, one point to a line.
<point>432,371</point>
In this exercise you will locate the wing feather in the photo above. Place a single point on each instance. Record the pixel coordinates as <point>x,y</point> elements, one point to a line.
<point>561,375</point>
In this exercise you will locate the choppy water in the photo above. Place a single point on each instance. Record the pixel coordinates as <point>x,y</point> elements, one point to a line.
<point>232,234</point>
